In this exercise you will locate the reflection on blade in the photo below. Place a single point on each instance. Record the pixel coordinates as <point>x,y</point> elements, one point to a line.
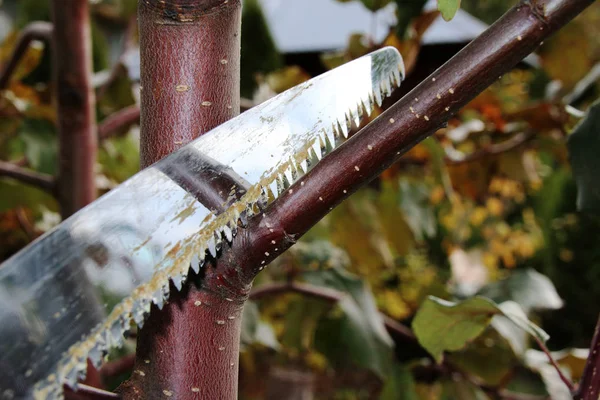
<point>58,295</point>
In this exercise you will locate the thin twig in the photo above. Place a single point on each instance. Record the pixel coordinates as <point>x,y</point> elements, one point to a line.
<point>589,386</point>
<point>113,123</point>
<point>25,223</point>
<point>85,392</point>
<point>271,289</point>
<point>42,181</point>
<point>118,367</point>
<point>562,376</point>
<point>34,31</point>
<point>329,295</point>
<point>494,149</point>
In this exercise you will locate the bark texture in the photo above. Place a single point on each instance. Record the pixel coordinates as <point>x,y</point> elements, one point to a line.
<point>190,55</point>
<point>72,62</point>
<point>190,71</point>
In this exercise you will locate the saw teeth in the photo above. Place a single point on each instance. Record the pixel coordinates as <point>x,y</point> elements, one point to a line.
<point>329,144</point>
<point>316,147</point>
<point>378,99</point>
<point>72,376</point>
<point>296,174</point>
<point>388,84</point>
<point>178,281</point>
<point>343,128</point>
<point>158,298</point>
<point>139,316</point>
<point>355,121</point>
<point>212,246</point>
<point>304,166</point>
<point>273,188</point>
<point>330,135</point>
<point>195,263</point>
<point>96,354</point>
<point>399,74</point>
<point>367,108</point>
<point>288,175</point>
<point>244,219</point>
<point>228,233</point>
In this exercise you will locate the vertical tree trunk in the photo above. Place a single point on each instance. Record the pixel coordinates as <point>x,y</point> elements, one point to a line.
<point>190,55</point>
<point>72,59</point>
<point>190,51</point>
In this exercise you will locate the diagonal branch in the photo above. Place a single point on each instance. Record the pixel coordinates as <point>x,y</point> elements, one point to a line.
<point>416,116</point>
<point>589,386</point>
<point>34,31</point>
<point>42,181</point>
<point>494,149</point>
<point>553,362</point>
<point>121,119</point>
<point>329,295</point>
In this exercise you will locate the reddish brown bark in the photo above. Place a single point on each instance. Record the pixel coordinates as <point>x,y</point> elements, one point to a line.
<point>72,62</point>
<point>190,53</point>
<point>118,121</point>
<point>190,71</point>
<point>589,386</point>
<point>14,171</point>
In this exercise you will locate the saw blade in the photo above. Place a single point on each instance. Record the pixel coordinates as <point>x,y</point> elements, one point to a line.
<point>72,294</point>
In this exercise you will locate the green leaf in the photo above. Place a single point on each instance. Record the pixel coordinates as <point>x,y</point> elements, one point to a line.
<point>406,11</point>
<point>475,358</point>
<point>120,157</point>
<point>461,389</point>
<point>515,314</point>
<point>41,146</point>
<point>442,325</point>
<point>448,8</point>
<point>363,334</point>
<point>584,146</point>
<point>256,331</point>
<point>301,321</point>
<point>399,385</point>
<point>530,289</point>
<point>16,194</point>
<point>414,202</point>
<point>372,5</point>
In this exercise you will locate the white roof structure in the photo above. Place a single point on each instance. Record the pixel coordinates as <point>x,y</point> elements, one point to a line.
<point>319,25</point>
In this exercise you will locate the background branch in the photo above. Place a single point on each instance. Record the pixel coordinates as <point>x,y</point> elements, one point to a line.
<point>118,121</point>
<point>33,31</point>
<point>325,294</point>
<point>37,179</point>
<point>72,68</point>
<point>493,149</point>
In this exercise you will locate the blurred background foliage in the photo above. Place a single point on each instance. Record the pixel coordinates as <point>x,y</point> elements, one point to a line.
<point>487,206</point>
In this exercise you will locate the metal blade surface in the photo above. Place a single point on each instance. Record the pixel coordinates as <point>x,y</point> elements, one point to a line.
<point>72,294</point>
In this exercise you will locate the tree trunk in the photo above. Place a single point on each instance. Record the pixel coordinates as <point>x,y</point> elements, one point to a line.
<point>72,68</point>
<point>190,56</point>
